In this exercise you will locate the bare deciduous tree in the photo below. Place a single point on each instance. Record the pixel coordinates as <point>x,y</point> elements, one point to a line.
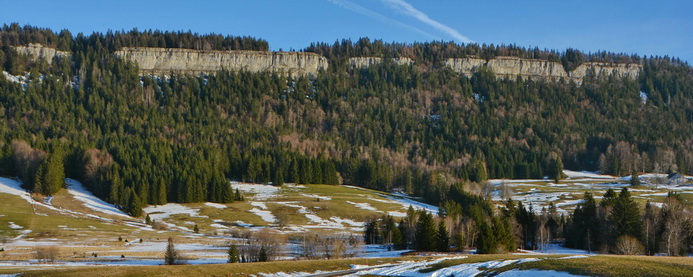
<point>627,245</point>
<point>47,253</point>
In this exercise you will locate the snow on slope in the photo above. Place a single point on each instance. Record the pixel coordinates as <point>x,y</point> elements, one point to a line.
<point>79,192</point>
<point>267,216</point>
<point>586,175</point>
<point>262,192</point>
<point>406,201</point>
<point>14,187</point>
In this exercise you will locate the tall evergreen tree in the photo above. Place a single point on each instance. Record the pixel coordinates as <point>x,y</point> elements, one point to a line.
<point>426,233</point>
<point>443,237</point>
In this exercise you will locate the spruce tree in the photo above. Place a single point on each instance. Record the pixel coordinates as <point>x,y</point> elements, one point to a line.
<point>625,217</point>
<point>634,179</point>
<point>171,254</point>
<point>426,233</point>
<point>443,237</point>
<point>233,254</point>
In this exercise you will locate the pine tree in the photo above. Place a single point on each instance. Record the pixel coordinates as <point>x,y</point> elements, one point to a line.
<point>171,254</point>
<point>279,178</point>
<point>443,237</point>
<point>634,179</point>
<point>556,171</point>
<point>625,217</point>
<point>238,196</point>
<point>132,204</point>
<point>233,254</point>
<point>50,174</point>
<point>426,233</point>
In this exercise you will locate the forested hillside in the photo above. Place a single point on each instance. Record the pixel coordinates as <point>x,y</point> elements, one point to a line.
<point>422,128</point>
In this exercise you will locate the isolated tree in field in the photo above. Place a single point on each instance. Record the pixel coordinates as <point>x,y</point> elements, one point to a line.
<point>171,255</point>
<point>233,254</point>
<point>634,179</point>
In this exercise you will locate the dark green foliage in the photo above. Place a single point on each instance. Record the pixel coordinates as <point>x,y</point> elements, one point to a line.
<point>597,228</point>
<point>555,171</point>
<point>263,255</point>
<point>417,128</point>
<point>443,237</point>
<point>426,233</point>
<point>625,217</point>
<point>50,176</point>
<point>583,231</point>
<point>233,254</point>
<point>495,237</point>
<point>171,255</point>
<point>634,179</point>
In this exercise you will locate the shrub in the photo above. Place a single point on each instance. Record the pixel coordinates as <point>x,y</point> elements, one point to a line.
<point>627,245</point>
<point>47,253</point>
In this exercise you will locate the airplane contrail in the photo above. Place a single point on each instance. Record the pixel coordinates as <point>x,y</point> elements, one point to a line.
<point>364,11</point>
<point>406,8</point>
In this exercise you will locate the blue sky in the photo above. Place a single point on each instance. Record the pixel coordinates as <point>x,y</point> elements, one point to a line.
<point>644,27</point>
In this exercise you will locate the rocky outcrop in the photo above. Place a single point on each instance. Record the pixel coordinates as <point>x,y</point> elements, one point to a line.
<point>364,62</point>
<point>38,51</point>
<point>161,61</point>
<point>510,67</point>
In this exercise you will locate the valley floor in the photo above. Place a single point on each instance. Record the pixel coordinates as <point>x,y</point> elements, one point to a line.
<point>88,232</point>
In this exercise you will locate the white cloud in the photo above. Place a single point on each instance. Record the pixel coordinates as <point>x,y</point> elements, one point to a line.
<point>364,11</point>
<point>406,8</point>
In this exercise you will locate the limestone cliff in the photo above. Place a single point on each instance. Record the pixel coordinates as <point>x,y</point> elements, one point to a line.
<point>364,62</point>
<point>38,51</point>
<point>541,69</point>
<point>166,60</point>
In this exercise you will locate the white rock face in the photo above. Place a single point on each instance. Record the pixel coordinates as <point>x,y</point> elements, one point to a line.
<point>511,67</point>
<point>166,60</point>
<point>39,51</point>
<point>364,62</point>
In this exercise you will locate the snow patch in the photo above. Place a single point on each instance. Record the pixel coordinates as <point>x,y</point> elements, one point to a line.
<point>14,226</point>
<point>262,192</point>
<point>215,205</point>
<point>267,216</point>
<point>363,206</point>
<point>317,197</point>
<point>161,212</point>
<point>260,205</point>
<point>79,192</point>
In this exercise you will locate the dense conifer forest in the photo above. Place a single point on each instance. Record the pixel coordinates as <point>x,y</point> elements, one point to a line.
<point>421,128</point>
